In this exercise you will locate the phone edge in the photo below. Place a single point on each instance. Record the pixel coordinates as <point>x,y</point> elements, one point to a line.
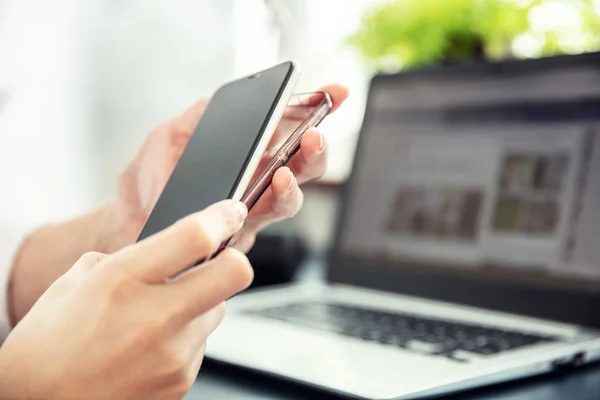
<point>267,134</point>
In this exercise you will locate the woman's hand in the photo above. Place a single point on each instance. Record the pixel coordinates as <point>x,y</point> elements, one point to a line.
<point>143,180</point>
<point>50,251</point>
<point>116,326</point>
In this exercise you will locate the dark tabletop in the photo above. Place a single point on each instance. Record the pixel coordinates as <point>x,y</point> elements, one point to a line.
<point>218,381</point>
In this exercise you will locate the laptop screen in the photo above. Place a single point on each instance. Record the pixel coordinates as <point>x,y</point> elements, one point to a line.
<point>490,174</point>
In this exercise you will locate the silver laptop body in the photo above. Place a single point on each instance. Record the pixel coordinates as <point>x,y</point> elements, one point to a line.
<point>467,248</point>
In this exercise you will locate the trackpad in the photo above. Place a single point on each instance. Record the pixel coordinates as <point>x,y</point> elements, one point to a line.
<point>323,359</point>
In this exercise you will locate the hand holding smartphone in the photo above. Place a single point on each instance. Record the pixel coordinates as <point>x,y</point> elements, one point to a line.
<point>304,111</point>
<point>241,132</point>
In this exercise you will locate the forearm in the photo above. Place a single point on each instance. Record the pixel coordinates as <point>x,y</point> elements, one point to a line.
<point>48,252</point>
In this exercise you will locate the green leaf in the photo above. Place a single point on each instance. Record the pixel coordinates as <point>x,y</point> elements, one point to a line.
<point>411,33</point>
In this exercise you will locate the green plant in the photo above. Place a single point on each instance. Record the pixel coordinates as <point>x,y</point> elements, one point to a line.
<point>411,33</point>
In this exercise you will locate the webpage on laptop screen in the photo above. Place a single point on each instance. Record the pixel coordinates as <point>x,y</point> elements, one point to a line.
<point>498,177</point>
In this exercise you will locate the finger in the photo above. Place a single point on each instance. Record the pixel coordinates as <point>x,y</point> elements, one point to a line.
<point>283,181</point>
<point>82,267</point>
<point>189,240</point>
<point>204,288</point>
<point>192,338</point>
<point>86,262</point>
<point>311,160</point>
<point>179,130</point>
<point>246,240</point>
<point>202,326</point>
<point>284,199</point>
<point>301,107</point>
<point>188,120</point>
<point>287,197</point>
<point>338,93</point>
<point>197,361</point>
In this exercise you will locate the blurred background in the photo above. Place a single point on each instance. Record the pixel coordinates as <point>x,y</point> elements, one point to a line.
<point>83,83</point>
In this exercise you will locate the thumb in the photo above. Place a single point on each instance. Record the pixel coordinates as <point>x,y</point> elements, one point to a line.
<point>86,262</point>
<point>188,120</point>
<point>181,128</point>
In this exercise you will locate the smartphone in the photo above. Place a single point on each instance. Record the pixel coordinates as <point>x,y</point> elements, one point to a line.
<point>304,111</point>
<point>227,145</point>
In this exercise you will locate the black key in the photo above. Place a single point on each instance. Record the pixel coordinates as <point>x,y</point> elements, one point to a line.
<point>504,345</point>
<point>399,329</point>
<point>430,338</point>
<point>397,340</point>
<point>469,345</point>
<point>486,350</point>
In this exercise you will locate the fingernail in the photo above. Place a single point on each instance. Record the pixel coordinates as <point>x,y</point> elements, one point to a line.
<point>291,186</point>
<point>321,143</point>
<point>242,210</point>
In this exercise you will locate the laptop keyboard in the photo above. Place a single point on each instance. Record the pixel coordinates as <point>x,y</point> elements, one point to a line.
<point>426,335</point>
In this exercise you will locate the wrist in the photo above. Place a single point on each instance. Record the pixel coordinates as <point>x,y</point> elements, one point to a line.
<point>9,385</point>
<point>109,237</point>
<point>14,384</point>
<point>17,381</point>
<point>116,228</point>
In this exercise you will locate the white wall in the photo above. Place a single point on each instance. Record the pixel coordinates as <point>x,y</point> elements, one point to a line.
<point>315,34</point>
<point>151,59</point>
<point>89,80</point>
<point>44,152</point>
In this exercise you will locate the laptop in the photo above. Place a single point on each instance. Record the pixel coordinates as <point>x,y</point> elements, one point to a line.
<point>467,246</point>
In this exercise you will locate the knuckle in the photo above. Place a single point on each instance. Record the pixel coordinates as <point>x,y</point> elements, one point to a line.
<point>90,258</point>
<point>224,217</point>
<point>178,365</point>
<point>220,310</point>
<point>207,322</point>
<point>176,371</point>
<point>183,382</point>
<point>197,235</point>
<point>62,285</point>
<point>173,366</point>
<point>288,206</point>
<point>229,220</point>
<point>247,242</point>
<point>321,171</point>
<point>177,315</point>
<point>118,289</point>
<point>296,210</point>
<point>211,226</point>
<point>317,168</point>
<point>295,206</point>
<point>152,333</point>
<point>239,271</point>
<point>123,179</point>
<point>146,337</point>
<point>179,135</point>
<point>184,385</point>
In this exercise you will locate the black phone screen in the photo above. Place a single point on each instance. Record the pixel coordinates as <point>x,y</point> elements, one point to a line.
<point>220,148</point>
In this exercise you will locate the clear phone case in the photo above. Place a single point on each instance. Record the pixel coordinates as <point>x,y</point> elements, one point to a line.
<point>304,111</point>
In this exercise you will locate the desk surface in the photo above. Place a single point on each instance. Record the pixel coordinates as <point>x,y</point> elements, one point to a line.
<point>218,381</point>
